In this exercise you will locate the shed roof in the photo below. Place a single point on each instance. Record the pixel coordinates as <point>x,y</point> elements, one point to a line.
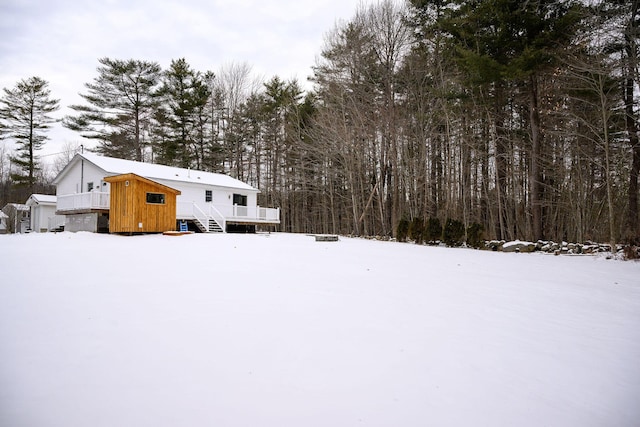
<point>113,166</point>
<point>133,176</point>
<point>42,199</point>
<point>16,206</point>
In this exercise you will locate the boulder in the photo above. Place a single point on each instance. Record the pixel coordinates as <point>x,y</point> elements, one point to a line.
<point>519,246</point>
<point>494,245</point>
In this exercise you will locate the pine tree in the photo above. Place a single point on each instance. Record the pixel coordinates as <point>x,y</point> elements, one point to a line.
<point>185,94</point>
<point>502,42</point>
<point>121,103</point>
<point>280,101</point>
<point>620,20</point>
<point>25,115</point>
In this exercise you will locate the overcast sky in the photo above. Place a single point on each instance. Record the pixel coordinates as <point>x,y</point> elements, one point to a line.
<point>61,40</point>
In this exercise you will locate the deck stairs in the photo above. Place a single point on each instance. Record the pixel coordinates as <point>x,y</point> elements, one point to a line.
<point>211,227</point>
<point>214,227</point>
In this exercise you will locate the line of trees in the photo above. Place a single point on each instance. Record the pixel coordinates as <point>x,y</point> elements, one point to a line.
<point>521,117</point>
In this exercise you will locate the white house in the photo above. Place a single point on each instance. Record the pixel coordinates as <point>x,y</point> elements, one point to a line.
<point>17,218</point>
<point>4,219</point>
<point>43,213</point>
<point>209,201</point>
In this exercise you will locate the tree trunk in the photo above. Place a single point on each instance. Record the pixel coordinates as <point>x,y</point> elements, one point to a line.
<point>535,172</point>
<point>607,156</point>
<point>501,163</point>
<point>633,230</point>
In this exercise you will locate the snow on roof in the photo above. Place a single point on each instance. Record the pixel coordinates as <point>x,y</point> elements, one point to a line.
<point>3,215</point>
<point>115,166</point>
<point>43,198</point>
<point>18,206</point>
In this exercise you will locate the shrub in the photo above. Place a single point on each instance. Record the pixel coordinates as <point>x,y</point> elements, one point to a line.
<point>403,229</point>
<point>433,230</point>
<point>416,228</point>
<point>453,233</point>
<point>630,252</point>
<point>474,235</point>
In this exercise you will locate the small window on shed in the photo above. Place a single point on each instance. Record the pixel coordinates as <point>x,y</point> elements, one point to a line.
<point>155,198</point>
<point>89,186</point>
<point>208,195</point>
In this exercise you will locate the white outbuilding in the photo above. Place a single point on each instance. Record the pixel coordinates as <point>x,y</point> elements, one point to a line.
<point>4,219</point>
<point>43,213</point>
<point>17,218</point>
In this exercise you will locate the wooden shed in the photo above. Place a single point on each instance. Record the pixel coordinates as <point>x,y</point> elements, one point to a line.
<point>140,205</point>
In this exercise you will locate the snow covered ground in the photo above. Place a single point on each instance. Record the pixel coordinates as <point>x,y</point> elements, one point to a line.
<point>280,330</point>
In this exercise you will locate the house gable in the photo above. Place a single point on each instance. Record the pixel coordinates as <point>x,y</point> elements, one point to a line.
<point>81,175</point>
<point>41,199</point>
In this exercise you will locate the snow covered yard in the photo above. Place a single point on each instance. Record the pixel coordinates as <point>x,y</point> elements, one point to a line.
<point>281,330</point>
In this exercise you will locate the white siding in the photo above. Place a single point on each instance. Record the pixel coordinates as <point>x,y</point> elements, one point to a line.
<point>40,215</point>
<point>77,175</point>
<point>221,196</point>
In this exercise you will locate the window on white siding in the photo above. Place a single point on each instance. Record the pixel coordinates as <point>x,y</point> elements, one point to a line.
<point>240,200</point>
<point>89,186</point>
<point>208,195</point>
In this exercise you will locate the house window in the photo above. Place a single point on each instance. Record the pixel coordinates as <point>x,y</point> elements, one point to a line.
<point>155,198</point>
<point>240,200</point>
<point>208,195</point>
<point>89,186</point>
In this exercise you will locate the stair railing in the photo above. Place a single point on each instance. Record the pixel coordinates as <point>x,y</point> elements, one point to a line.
<point>215,214</point>
<point>201,217</point>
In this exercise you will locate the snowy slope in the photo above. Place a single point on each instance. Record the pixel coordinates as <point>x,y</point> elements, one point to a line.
<point>280,330</point>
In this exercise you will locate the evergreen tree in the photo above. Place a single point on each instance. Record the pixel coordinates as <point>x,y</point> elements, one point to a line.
<point>280,102</point>
<point>121,103</point>
<point>402,231</point>
<point>25,117</point>
<point>453,232</point>
<point>433,230</point>
<point>503,41</point>
<point>474,235</point>
<point>213,153</point>
<point>185,94</point>
<point>416,230</point>
<point>620,22</point>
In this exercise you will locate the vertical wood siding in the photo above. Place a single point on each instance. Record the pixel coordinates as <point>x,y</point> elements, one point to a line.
<point>129,206</point>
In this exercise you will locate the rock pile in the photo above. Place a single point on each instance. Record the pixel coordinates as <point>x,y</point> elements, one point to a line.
<point>628,252</point>
<point>563,248</point>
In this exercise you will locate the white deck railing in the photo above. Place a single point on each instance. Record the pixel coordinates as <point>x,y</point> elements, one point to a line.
<point>222,214</point>
<point>184,210</point>
<point>83,201</point>
<point>250,213</point>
